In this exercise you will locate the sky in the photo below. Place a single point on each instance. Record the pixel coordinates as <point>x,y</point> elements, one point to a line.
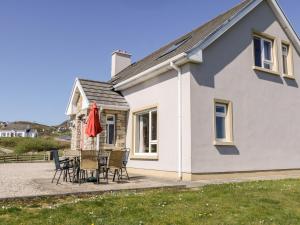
<point>46,44</point>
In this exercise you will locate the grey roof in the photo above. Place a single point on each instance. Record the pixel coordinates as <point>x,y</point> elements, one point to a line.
<point>180,45</point>
<point>102,93</point>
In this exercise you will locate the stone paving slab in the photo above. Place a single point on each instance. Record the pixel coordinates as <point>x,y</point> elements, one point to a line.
<point>244,177</point>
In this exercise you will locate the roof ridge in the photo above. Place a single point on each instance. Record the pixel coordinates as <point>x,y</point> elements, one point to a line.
<point>246,2</point>
<point>96,81</point>
<point>223,13</point>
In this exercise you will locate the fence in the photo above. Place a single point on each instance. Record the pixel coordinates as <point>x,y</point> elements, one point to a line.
<point>10,158</point>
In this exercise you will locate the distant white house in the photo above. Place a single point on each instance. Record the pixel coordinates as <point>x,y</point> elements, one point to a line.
<point>2,124</point>
<point>17,130</point>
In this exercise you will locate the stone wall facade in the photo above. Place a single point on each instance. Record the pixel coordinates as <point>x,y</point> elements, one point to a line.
<point>120,129</point>
<point>81,141</point>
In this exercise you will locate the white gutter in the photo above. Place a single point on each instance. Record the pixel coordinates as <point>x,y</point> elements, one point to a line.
<point>113,107</point>
<point>179,121</point>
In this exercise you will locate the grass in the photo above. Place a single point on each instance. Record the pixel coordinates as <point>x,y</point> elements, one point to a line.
<point>263,202</point>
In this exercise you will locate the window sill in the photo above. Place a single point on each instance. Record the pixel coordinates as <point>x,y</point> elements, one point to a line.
<point>223,143</point>
<point>289,77</point>
<point>144,157</point>
<point>272,72</point>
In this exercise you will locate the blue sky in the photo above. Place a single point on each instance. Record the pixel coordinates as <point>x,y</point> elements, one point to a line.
<point>46,44</point>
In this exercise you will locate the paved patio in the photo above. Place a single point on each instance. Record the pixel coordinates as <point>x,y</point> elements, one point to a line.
<point>34,179</point>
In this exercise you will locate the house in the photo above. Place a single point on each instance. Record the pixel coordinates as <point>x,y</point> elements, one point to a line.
<point>18,130</point>
<point>223,98</point>
<point>2,124</point>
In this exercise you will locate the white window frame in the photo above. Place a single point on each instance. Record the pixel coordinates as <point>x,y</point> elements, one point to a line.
<point>107,128</point>
<point>289,60</point>
<point>151,142</point>
<point>262,56</point>
<point>228,115</point>
<point>221,114</point>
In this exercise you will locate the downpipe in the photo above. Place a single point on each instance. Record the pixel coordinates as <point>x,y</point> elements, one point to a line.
<point>179,119</point>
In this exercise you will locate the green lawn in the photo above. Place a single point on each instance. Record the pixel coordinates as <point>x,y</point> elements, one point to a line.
<point>266,202</point>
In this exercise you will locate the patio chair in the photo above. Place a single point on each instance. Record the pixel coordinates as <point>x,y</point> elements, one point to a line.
<point>74,155</point>
<point>115,163</point>
<point>88,162</point>
<point>71,153</point>
<point>103,161</point>
<point>125,161</point>
<point>62,166</point>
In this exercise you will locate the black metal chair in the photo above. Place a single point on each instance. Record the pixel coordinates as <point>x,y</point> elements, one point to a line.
<point>124,162</point>
<point>103,162</point>
<point>62,166</point>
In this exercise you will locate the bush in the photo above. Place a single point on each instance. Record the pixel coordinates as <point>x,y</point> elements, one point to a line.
<point>10,143</point>
<point>23,145</point>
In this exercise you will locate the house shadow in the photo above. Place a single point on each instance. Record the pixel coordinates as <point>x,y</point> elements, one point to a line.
<point>291,82</point>
<point>269,77</point>
<point>228,150</point>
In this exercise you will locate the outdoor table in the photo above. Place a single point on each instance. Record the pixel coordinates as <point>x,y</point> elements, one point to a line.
<point>102,161</point>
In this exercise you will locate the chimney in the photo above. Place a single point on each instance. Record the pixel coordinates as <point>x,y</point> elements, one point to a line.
<point>119,61</point>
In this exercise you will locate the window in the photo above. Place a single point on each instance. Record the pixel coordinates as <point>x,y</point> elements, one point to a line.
<point>221,110</point>
<point>110,129</point>
<point>146,132</point>
<point>175,46</point>
<point>263,53</point>
<point>286,60</point>
<point>223,121</point>
<point>3,134</point>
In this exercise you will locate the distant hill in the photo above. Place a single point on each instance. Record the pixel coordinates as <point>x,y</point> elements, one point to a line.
<point>63,124</point>
<point>43,130</point>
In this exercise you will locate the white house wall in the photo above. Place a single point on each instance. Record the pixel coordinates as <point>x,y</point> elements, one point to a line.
<point>162,91</point>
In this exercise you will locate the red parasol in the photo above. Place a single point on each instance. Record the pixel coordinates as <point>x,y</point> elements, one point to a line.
<point>93,126</point>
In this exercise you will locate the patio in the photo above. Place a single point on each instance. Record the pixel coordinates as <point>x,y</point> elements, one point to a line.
<point>34,179</point>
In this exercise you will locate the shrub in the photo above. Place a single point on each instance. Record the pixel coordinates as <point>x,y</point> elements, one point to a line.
<point>23,145</point>
<point>9,142</point>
